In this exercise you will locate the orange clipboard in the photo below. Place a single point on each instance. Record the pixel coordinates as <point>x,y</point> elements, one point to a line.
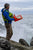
<point>17,18</point>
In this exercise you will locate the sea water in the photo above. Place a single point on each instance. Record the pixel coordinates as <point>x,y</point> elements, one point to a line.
<point>21,29</point>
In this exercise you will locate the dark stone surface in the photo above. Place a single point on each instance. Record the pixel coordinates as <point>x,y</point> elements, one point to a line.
<point>31,43</point>
<point>23,42</point>
<point>5,44</point>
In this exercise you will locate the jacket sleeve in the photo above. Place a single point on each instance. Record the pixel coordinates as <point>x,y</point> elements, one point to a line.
<point>7,16</point>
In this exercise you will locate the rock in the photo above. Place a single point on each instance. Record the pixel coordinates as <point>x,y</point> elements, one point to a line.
<point>5,44</point>
<point>31,43</point>
<point>23,42</point>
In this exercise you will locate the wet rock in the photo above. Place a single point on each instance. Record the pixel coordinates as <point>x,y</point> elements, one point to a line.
<point>31,43</point>
<point>23,42</point>
<point>5,44</point>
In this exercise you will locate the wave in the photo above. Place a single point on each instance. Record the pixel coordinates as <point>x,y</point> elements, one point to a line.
<point>2,27</point>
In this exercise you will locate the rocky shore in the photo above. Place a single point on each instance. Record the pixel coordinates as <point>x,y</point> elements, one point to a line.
<point>12,45</point>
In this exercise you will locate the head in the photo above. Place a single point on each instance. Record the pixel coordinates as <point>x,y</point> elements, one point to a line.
<point>6,6</point>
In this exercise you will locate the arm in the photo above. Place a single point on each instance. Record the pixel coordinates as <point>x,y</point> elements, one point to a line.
<point>7,16</point>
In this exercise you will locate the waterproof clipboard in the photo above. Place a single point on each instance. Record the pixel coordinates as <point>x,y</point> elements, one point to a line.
<point>17,18</point>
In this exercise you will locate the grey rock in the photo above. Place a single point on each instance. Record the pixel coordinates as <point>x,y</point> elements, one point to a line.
<point>31,43</point>
<point>23,42</point>
<point>5,44</point>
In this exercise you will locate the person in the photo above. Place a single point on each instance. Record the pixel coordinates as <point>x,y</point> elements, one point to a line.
<point>8,18</point>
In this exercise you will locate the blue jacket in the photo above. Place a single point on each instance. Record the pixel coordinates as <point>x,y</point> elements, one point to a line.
<point>6,15</point>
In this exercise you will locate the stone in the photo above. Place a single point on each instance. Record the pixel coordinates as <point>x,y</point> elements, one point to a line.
<point>23,42</point>
<point>5,44</point>
<point>31,43</point>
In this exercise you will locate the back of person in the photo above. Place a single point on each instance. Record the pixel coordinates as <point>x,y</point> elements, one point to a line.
<point>7,16</point>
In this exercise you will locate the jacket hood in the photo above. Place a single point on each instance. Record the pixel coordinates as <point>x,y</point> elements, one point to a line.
<point>3,10</point>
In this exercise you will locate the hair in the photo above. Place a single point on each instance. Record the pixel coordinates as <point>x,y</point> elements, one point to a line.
<point>6,5</point>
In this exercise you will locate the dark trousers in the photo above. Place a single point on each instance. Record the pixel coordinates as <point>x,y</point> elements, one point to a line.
<point>9,31</point>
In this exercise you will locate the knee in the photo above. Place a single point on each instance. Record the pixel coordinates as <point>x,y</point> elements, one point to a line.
<point>10,35</point>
